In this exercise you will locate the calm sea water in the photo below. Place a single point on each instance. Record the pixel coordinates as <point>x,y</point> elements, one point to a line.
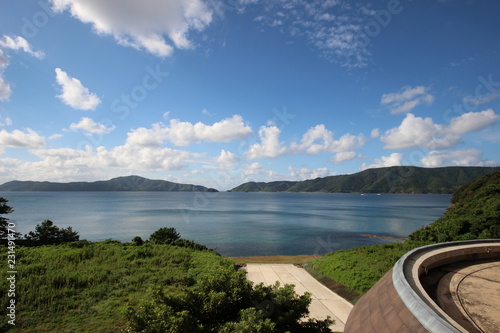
<point>237,224</point>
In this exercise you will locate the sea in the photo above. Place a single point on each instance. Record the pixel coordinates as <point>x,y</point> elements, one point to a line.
<point>234,223</point>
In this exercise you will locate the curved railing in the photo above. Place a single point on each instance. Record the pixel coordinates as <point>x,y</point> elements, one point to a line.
<point>407,271</point>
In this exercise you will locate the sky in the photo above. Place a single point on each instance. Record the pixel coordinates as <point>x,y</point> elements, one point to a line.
<point>221,92</point>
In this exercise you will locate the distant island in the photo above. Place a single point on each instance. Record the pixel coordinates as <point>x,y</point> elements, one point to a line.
<point>128,183</point>
<point>399,179</point>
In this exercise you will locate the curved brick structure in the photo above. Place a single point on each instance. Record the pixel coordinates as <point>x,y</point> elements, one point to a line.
<point>419,295</point>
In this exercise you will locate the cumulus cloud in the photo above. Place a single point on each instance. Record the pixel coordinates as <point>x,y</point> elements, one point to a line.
<point>416,131</point>
<point>74,94</point>
<point>269,146</point>
<point>88,125</point>
<point>318,140</point>
<point>227,160</point>
<point>153,25</point>
<point>462,157</point>
<point>185,133</point>
<point>21,139</point>
<point>395,159</point>
<point>472,121</point>
<point>344,156</point>
<point>124,157</point>
<point>407,99</point>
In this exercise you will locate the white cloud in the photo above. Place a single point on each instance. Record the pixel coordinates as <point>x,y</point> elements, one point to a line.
<point>252,169</point>
<point>269,146</point>
<point>119,159</point>
<point>147,137</point>
<point>375,133</point>
<point>318,140</point>
<point>3,60</point>
<point>336,29</point>
<point>5,90</point>
<point>20,139</point>
<point>472,121</point>
<point>88,125</point>
<point>407,99</point>
<point>55,136</point>
<point>342,157</point>
<point>227,160</point>
<point>185,133</point>
<point>19,43</point>
<point>462,157</point>
<point>152,25</point>
<point>208,113</point>
<point>395,159</point>
<point>305,173</point>
<point>74,94</point>
<point>416,131</point>
<point>5,121</point>
<point>478,100</point>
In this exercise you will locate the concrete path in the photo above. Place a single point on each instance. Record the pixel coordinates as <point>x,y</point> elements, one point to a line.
<point>324,301</point>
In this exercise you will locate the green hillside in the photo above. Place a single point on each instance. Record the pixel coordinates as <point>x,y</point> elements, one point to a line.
<point>403,179</point>
<point>129,183</point>
<point>474,214</point>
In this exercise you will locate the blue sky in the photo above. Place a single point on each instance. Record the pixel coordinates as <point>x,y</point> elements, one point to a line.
<point>220,92</point>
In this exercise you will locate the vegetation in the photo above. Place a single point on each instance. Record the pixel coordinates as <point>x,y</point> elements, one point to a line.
<point>166,284</point>
<point>129,183</point>
<point>360,268</point>
<point>474,214</point>
<point>5,231</point>
<point>404,179</point>
<point>49,234</point>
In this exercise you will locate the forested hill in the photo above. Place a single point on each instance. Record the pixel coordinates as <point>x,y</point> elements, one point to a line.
<point>129,183</point>
<point>474,214</point>
<point>401,179</point>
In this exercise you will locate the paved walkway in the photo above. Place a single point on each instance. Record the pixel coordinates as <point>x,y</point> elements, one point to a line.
<point>324,301</point>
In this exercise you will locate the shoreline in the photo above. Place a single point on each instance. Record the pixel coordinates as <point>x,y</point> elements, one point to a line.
<point>301,259</point>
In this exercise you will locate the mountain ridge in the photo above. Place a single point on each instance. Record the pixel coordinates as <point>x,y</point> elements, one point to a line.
<point>399,179</point>
<point>125,183</point>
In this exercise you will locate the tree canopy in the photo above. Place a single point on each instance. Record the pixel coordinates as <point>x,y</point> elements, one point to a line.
<point>49,234</point>
<point>473,214</point>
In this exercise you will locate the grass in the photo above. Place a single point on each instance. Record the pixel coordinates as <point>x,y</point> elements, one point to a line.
<point>87,287</point>
<point>360,268</point>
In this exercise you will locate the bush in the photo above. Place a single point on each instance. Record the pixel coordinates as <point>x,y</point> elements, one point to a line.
<point>224,301</point>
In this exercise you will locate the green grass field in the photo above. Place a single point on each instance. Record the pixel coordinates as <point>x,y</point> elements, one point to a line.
<point>87,287</point>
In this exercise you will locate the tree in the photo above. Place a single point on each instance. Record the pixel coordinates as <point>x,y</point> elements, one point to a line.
<point>164,236</point>
<point>4,222</point>
<point>137,241</point>
<point>48,234</point>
